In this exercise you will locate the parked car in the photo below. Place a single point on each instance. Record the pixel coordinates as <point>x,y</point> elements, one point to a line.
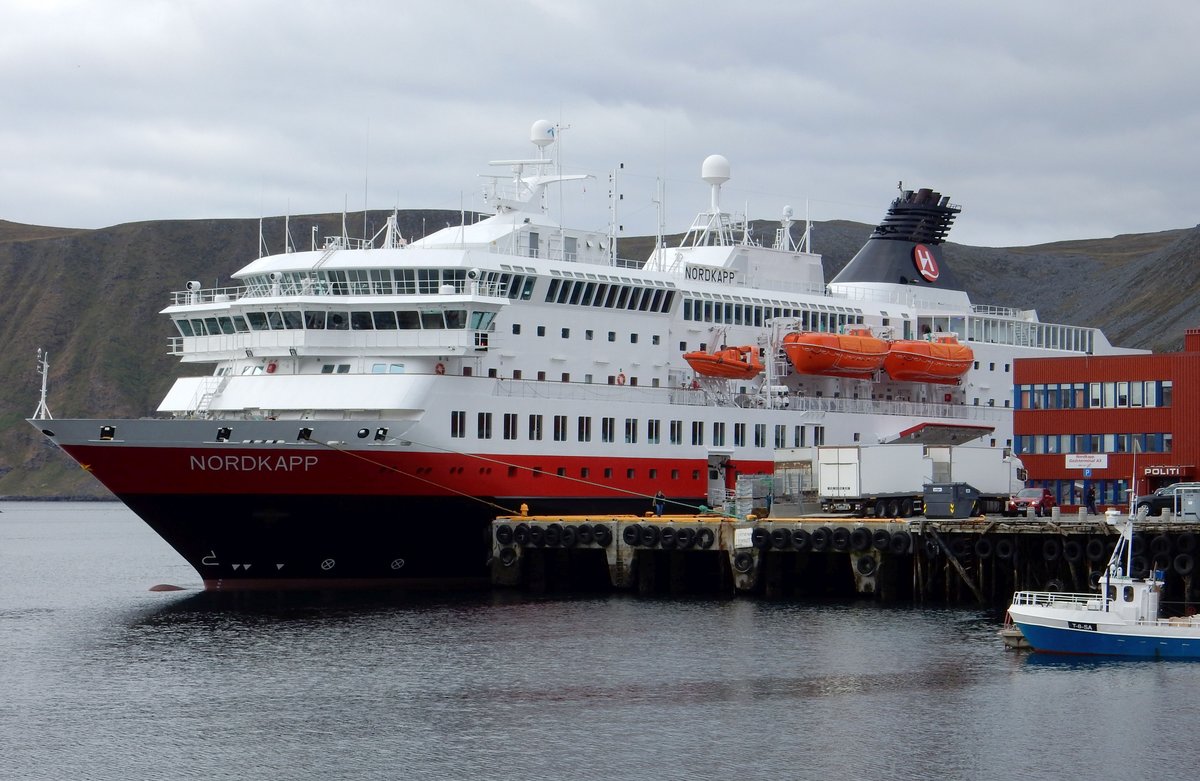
<point>1040,499</point>
<point>1162,499</point>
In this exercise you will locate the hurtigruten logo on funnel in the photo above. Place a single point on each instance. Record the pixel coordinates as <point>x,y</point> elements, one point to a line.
<point>924,261</point>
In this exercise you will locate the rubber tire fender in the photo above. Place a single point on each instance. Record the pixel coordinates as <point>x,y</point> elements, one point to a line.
<point>743,562</point>
<point>866,565</point>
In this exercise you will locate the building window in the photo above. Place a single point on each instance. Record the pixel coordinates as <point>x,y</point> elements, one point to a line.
<point>516,328</point>
<point>631,430</point>
<point>697,432</point>
<point>760,434</point>
<point>566,333</point>
<point>560,428</point>
<point>541,330</point>
<point>535,427</point>
<point>510,425</point>
<point>718,437</point>
<point>585,429</point>
<point>612,336</point>
<point>484,425</point>
<point>588,334</point>
<point>739,434</point>
<point>676,432</point>
<point>458,423</point>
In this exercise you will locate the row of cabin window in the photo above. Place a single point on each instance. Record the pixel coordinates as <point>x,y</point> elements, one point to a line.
<point>387,282</point>
<point>1094,443</point>
<point>577,292</point>
<point>1095,395</point>
<point>321,320</point>
<point>560,430</point>
<point>751,314</point>
<point>588,334</point>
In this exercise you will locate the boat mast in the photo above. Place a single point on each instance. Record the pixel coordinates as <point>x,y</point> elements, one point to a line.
<point>43,366</point>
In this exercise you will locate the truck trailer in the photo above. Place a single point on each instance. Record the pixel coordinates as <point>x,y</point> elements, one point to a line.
<point>889,480</point>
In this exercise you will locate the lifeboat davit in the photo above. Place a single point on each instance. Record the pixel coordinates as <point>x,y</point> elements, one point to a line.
<point>941,359</point>
<point>856,353</point>
<point>733,363</point>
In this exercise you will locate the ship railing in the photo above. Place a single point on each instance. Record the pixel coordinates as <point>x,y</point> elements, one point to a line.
<point>934,409</point>
<point>347,242</point>
<point>700,398</point>
<point>320,289</point>
<point>903,296</point>
<point>210,296</point>
<point>998,311</point>
<point>323,342</point>
<point>1079,601</point>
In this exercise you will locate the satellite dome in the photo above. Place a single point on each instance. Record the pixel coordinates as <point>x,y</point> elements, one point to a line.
<point>715,169</point>
<point>542,133</point>
<point>787,212</point>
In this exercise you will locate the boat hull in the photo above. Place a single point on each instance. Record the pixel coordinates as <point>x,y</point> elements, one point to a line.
<point>337,510</point>
<point>268,541</point>
<point>1089,633</point>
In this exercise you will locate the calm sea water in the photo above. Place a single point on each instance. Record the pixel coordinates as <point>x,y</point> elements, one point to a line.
<point>103,679</point>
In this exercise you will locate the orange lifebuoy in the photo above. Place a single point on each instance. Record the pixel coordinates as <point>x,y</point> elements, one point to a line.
<point>621,378</point>
<point>439,369</point>
<point>271,367</point>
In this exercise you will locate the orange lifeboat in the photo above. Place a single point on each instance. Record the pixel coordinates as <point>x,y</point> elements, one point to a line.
<point>733,363</point>
<point>856,353</point>
<point>941,359</point>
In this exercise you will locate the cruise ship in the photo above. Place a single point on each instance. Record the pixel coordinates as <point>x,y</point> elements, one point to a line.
<point>361,409</point>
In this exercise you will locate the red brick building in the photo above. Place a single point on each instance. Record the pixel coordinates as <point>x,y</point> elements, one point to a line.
<point>1078,421</point>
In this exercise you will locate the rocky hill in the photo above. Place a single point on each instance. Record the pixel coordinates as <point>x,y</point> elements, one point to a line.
<point>91,299</point>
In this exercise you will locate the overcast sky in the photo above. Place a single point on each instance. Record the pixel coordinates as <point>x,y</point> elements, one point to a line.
<point>1044,120</point>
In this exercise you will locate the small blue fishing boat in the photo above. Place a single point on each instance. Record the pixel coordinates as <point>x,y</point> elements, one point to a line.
<point>1122,620</point>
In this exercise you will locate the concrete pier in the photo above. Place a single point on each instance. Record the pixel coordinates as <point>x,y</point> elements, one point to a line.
<point>979,560</point>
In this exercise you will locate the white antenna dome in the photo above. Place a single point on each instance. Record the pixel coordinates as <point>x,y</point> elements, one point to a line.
<point>542,133</point>
<point>787,212</point>
<point>715,170</point>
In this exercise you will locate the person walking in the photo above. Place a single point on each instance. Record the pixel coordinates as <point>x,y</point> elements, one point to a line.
<point>1091,500</point>
<point>660,504</point>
